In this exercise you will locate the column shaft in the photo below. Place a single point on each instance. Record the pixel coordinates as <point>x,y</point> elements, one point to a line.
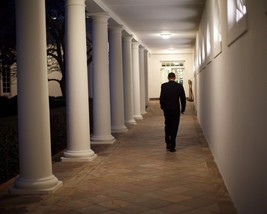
<point>116,80</point>
<point>136,81</point>
<point>146,76</point>
<point>101,93</point>
<point>33,108</point>
<point>78,128</point>
<point>128,80</point>
<point>142,80</point>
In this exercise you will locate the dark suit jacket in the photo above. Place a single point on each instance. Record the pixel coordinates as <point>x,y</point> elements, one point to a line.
<point>171,95</point>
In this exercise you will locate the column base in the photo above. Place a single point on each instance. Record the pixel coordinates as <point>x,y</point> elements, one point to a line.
<point>143,113</point>
<point>121,129</point>
<point>78,156</point>
<point>130,122</point>
<point>35,187</point>
<point>138,117</point>
<point>108,139</point>
<point>88,159</point>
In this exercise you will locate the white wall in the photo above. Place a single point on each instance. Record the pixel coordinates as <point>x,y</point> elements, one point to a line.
<point>232,106</point>
<point>154,73</point>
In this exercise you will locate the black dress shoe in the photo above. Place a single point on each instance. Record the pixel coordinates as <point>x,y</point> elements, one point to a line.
<point>172,150</point>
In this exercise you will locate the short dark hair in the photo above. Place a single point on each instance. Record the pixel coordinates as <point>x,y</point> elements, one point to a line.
<point>171,75</point>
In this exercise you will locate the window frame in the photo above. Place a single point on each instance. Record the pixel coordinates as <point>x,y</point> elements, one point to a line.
<point>236,28</point>
<point>217,29</point>
<point>6,81</point>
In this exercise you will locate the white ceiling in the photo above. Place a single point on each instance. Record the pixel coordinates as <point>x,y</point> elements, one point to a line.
<point>147,19</point>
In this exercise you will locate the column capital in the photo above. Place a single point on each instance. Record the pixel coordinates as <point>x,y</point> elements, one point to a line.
<point>135,44</point>
<point>141,48</point>
<point>99,17</point>
<point>74,2</point>
<point>115,29</point>
<point>127,38</point>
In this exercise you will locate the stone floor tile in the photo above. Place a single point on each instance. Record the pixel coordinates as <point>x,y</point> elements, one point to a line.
<point>198,211</point>
<point>154,203</point>
<point>94,209</point>
<point>137,175</point>
<point>132,209</point>
<point>114,204</point>
<point>154,212</point>
<point>176,198</point>
<point>176,209</point>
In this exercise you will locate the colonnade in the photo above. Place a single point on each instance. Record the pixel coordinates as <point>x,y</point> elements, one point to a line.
<point>119,90</point>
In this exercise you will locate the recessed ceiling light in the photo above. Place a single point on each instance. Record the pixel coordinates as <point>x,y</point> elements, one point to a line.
<point>165,35</point>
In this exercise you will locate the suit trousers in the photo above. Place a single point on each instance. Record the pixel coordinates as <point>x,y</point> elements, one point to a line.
<point>171,128</point>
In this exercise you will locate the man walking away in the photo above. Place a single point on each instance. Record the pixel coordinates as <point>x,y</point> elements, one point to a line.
<point>172,95</point>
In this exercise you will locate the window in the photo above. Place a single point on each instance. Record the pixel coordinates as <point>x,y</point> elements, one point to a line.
<point>203,54</point>
<point>208,44</point>
<point>241,9</point>
<point>199,56</point>
<point>172,64</point>
<point>237,20</point>
<point>217,34</point>
<point>199,53</point>
<point>196,54</point>
<point>6,81</point>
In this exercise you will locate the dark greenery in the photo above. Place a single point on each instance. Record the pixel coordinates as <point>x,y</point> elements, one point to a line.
<point>9,149</point>
<point>8,107</point>
<point>7,35</point>
<point>9,152</point>
<point>58,130</point>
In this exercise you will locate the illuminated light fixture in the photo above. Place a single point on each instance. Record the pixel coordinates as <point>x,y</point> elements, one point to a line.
<point>165,35</point>
<point>171,50</point>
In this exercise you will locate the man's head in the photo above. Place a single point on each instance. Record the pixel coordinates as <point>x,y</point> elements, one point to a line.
<point>171,76</point>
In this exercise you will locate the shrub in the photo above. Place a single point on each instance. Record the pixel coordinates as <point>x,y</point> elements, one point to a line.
<point>9,151</point>
<point>9,147</point>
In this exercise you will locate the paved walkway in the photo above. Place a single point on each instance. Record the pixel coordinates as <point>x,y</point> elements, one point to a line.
<point>137,175</point>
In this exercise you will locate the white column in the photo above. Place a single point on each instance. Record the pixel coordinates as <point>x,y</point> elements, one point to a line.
<point>142,80</point>
<point>128,79</point>
<point>101,93</point>
<point>78,128</point>
<point>33,108</point>
<point>116,80</point>
<point>146,77</point>
<point>136,82</point>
